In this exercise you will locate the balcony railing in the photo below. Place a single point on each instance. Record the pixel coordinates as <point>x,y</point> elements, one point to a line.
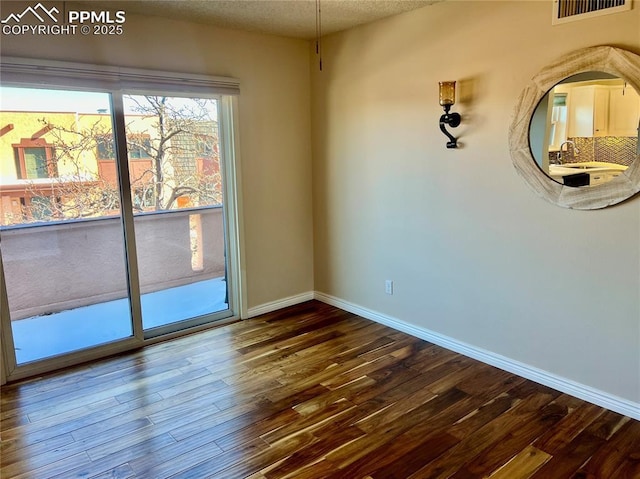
<point>174,248</point>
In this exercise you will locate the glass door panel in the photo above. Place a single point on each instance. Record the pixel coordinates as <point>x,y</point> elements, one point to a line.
<point>176,189</point>
<point>60,225</point>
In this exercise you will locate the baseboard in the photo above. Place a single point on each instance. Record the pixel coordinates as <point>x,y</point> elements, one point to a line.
<point>581,391</point>
<point>279,304</point>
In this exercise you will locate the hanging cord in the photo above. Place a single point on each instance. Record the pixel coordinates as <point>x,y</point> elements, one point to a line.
<point>319,32</point>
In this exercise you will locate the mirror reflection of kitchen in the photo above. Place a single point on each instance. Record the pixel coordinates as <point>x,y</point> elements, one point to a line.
<point>584,131</point>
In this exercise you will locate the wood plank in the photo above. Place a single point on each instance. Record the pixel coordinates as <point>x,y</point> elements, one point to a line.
<point>345,391</point>
<point>123,471</point>
<point>567,461</point>
<point>481,416</point>
<point>160,466</point>
<point>619,456</point>
<point>502,451</point>
<point>523,465</point>
<point>251,461</point>
<point>23,458</point>
<point>313,470</point>
<point>396,410</point>
<point>70,421</point>
<point>411,450</point>
<point>113,462</point>
<point>310,422</point>
<point>52,469</point>
<point>557,437</point>
<point>278,421</point>
<point>315,451</point>
<point>392,464</point>
<point>489,434</point>
<point>630,468</point>
<point>181,455</point>
<point>351,452</point>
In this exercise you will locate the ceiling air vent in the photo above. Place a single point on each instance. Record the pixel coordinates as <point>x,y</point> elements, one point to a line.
<point>571,10</point>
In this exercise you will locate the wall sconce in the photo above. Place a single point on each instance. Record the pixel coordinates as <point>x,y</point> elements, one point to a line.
<point>447,99</point>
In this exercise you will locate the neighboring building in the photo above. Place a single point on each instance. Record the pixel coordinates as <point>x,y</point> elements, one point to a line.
<point>61,165</point>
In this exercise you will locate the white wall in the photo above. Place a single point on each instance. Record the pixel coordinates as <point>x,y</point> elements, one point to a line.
<point>474,254</point>
<point>274,134</point>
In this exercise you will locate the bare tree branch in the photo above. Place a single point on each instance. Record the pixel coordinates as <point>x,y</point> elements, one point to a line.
<point>173,153</point>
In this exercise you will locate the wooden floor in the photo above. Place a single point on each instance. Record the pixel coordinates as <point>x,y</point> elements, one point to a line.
<point>307,392</point>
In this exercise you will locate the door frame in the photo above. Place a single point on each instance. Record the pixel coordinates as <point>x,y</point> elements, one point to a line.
<point>116,81</point>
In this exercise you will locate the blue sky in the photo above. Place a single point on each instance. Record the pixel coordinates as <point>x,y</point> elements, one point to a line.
<point>38,99</point>
<point>32,99</point>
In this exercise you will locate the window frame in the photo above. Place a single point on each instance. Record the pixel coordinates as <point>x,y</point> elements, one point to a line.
<point>20,161</point>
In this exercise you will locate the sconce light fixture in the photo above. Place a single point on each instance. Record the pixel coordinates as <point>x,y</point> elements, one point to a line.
<point>447,100</point>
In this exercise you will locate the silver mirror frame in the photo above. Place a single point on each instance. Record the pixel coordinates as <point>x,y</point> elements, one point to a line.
<point>615,61</point>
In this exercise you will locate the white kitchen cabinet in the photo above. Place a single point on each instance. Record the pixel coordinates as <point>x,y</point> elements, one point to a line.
<point>600,177</point>
<point>588,111</point>
<point>624,111</point>
<point>598,110</point>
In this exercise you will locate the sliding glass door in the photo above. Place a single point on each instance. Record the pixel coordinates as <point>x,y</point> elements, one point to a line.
<point>177,195</point>
<point>61,233</point>
<point>114,220</point>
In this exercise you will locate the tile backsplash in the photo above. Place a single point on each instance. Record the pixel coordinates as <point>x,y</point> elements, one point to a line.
<point>612,149</point>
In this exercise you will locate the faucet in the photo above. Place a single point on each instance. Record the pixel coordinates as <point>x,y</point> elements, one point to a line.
<point>575,150</point>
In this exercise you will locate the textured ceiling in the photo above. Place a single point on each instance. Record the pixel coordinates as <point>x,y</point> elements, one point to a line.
<point>291,18</point>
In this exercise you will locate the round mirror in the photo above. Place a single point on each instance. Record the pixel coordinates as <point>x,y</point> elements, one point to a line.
<point>574,137</point>
<point>584,131</point>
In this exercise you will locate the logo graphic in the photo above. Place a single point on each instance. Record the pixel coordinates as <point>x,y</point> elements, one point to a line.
<point>17,17</point>
<point>40,20</point>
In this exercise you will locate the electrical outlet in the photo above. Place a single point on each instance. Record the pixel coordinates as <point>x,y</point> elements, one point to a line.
<point>388,286</point>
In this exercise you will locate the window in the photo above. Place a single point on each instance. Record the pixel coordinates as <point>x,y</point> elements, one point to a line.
<point>142,198</point>
<point>34,159</point>
<point>138,146</point>
<point>43,208</point>
<point>105,148</point>
<point>205,146</point>
<point>558,133</point>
